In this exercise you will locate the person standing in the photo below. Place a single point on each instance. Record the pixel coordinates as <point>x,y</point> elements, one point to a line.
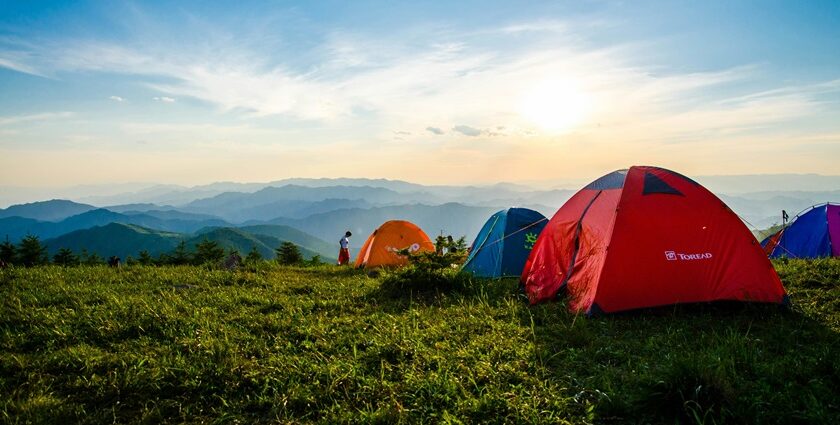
<point>344,250</point>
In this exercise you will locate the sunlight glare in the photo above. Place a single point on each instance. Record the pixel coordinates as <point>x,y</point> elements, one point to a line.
<point>556,106</point>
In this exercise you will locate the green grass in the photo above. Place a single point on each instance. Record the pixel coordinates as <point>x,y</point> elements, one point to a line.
<point>186,344</point>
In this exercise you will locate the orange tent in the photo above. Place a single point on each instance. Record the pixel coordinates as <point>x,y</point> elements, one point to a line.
<point>380,248</point>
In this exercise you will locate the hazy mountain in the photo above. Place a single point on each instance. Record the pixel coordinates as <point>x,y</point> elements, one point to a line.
<point>116,239</point>
<point>287,208</point>
<point>173,214</point>
<point>302,239</point>
<point>18,194</point>
<point>159,194</point>
<point>816,196</point>
<point>328,207</point>
<point>136,207</point>
<point>295,201</point>
<point>167,194</point>
<point>125,240</point>
<point>764,209</point>
<point>395,185</point>
<point>449,218</point>
<point>243,241</point>
<point>302,193</point>
<point>53,210</point>
<point>763,182</point>
<point>16,228</point>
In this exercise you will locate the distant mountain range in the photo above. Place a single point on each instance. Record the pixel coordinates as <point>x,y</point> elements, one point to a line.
<point>16,228</point>
<point>54,210</point>
<point>126,240</point>
<point>455,219</point>
<point>118,239</point>
<point>319,210</point>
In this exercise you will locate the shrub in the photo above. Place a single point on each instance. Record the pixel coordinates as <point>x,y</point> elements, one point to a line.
<point>8,252</point>
<point>65,257</point>
<point>289,254</point>
<point>144,258</point>
<point>438,271</point>
<point>208,252</point>
<point>418,278</point>
<point>31,252</point>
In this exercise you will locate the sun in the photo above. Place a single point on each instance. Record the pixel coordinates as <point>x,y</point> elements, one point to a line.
<point>556,106</point>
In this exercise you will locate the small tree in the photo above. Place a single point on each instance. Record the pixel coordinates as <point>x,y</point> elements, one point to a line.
<point>180,255</point>
<point>440,244</point>
<point>449,253</point>
<point>315,261</point>
<point>254,256</point>
<point>208,252</point>
<point>144,258</point>
<point>90,259</point>
<point>31,252</point>
<point>289,254</point>
<point>447,245</point>
<point>65,257</point>
<point>130,261</point>
<point>8,252</point>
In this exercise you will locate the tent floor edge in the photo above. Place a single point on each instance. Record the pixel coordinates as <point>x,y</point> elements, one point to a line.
<point>786,303</point>
<point>595,311</point>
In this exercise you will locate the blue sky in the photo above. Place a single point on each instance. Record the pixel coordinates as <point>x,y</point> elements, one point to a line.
<point>434,92</point>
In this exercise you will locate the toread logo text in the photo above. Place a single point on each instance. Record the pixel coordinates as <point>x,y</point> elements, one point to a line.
<point>674,256</point>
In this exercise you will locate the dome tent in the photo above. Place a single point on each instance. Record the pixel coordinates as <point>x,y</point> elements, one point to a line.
<point>503,244</point>
<point>812,234</point>
<point>647,237</point>
<point>380,248</point>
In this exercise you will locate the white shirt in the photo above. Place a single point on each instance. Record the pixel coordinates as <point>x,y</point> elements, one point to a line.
<point>344,242</point>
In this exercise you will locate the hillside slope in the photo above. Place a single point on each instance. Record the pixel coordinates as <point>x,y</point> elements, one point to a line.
<point>125,240</point>
<point>243,241</point>
<point>326,345</point>
<point>118,239</point>
<point>53,210</point>
<point>300,238</point>
<point>16,228</point>
<point>455,219</point>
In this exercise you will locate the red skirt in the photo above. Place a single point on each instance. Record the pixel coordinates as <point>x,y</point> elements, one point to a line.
<point>343,256</point>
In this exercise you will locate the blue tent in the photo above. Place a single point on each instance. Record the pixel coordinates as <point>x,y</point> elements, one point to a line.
<point>814,234</point>
<point>503,244</point>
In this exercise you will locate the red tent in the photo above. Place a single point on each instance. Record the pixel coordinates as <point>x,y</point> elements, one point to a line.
<point>647,237</point>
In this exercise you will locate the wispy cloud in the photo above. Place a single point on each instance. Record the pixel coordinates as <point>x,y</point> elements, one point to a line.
<point>352,88</point>
<point>19,67</point>
<point>467,130</point>
<point>46,116</point>
<point>117,98</point>
<point>449,77</point>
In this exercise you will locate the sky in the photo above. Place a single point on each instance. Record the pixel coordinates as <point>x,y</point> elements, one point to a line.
<point>431,92</point>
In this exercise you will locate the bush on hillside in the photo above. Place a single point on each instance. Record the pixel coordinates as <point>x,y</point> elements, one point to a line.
<point>420,278</point>
<point>65,257</point>
<point>438,271</point>
<point>208,252</point>
<point>31,252</point>
<point>180,256</point>
<point>145,259</point>
<point>90,258</point>
<point>289,254</point>
<point>8,252</point>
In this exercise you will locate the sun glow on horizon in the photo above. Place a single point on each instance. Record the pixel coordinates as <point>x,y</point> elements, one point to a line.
<point>556,105</point>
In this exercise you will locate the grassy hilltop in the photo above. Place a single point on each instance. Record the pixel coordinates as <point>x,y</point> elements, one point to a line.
<point>187,344</point>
